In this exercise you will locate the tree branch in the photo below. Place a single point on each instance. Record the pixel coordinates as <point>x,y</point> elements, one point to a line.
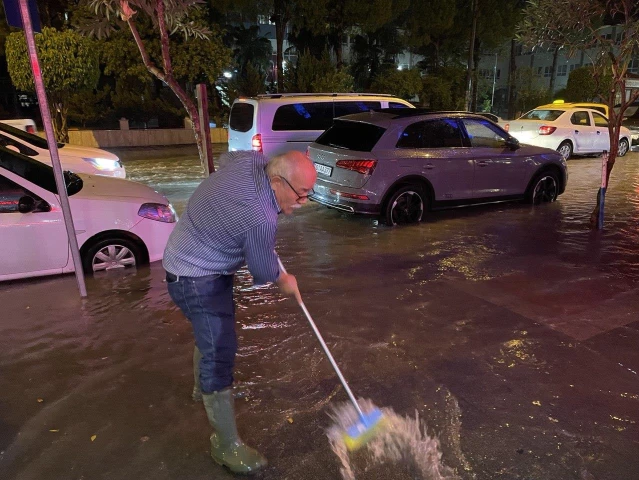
<point>148,63</point>
<point>164,38</point>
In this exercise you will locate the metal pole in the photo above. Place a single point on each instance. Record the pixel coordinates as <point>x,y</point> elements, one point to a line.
<point>492,99</point>
<point>205,130</point>
<point>53,146</point>
<point>602,191</point>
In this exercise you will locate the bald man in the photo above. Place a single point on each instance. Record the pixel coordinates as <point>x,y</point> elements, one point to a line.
<point>229,221</point>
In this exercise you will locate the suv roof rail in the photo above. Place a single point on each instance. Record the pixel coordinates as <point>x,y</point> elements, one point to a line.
<point>415,112</point>
<point>352,94</point>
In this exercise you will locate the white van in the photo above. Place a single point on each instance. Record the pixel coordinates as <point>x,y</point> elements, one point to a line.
<point>25,124</point>
<point>277,123</point>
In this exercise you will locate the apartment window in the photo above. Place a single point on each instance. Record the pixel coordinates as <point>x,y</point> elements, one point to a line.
<point>540,70</point>
<point>547,71</point>
<point>562,70</point>
<point>573,66</point>
<point>498,74</point>
<point>633,66</point>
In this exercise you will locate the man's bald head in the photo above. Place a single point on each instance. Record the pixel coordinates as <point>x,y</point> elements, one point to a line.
<point>292,176</point>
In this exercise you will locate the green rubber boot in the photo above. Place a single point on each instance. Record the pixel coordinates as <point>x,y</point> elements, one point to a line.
<point>197,392</point>
<point>227,448</point>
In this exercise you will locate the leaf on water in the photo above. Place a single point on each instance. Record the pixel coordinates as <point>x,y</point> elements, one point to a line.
<point>93,437</point>
<point>290,419</point>
<point>40,400</point>
<point>144,439</point>
<point>54,430</point>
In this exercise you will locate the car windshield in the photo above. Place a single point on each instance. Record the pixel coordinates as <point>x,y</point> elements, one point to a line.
<point>30,138</point>
<point>349,135</point>
<point>37,172</point>
<point>546,115</point>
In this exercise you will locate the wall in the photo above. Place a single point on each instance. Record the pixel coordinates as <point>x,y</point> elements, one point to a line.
<point>140,138</point>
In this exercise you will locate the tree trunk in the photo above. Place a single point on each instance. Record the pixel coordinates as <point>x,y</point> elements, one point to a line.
<point>512,71</point>
<point>553,73</point>
<point>280,29</point>
<point>471,51</point>
<point>166,76</point>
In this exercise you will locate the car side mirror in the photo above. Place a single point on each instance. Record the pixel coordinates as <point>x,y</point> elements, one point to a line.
<point>14,148</point>
<point>512,143</point>
<point>26,204</point>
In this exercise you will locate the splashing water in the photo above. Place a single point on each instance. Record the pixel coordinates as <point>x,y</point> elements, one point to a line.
<point>401,440</point>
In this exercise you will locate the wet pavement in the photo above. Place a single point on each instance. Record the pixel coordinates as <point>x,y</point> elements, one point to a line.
<point>511,331</point>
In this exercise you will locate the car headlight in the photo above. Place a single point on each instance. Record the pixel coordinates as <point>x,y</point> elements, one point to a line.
<point>104,164</point>
<point>158,212</point>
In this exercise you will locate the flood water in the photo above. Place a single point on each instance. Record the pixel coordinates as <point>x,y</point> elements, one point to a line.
<point>510,333</point>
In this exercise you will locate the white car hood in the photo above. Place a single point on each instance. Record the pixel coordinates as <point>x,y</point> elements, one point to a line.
<point>86,152</point>
<point>116,188</point>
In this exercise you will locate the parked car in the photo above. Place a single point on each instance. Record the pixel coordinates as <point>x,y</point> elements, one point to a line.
<point>74,158</point>
<point>579,131</point>
<point>401,163</point>
<point>277,123</point>
<point>631,122</point>
<point>600,107</point>
<point>119,223</point>
<point>25,124</point>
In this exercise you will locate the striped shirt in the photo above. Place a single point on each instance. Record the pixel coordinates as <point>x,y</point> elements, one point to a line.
<point>230,220</point>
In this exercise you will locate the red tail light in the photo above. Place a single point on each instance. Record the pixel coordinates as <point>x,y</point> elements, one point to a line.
<point>365,167</point>
<point>507,127</point>
<point>31,129</point>
<point>546,130</point>
<point>256,143</point>
<point>349,195</point>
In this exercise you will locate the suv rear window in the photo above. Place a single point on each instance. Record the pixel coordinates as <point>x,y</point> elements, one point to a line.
<point>241,119</point>
<point>358,136</point>
<point>304,116</point>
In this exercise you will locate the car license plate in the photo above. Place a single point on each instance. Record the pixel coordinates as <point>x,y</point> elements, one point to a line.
<point>323,169</point>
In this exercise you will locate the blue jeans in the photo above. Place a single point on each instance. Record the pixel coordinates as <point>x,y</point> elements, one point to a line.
<point>208,304</point>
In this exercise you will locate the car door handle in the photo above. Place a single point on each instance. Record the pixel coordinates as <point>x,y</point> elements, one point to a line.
<point>576,131</point>
<point>429,166</point>
<point>482,163</point>
<point>598,132</point>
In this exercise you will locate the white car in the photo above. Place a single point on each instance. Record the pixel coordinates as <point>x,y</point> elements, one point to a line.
<point>25,124</point>
<point>74,158</point>
<point>579,131</point>
<point>118,223</point>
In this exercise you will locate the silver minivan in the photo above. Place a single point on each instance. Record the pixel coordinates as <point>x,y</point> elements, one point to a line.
<point>277,123</point>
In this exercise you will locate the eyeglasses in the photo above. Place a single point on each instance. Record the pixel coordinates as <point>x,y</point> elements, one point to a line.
<point>299,197</point>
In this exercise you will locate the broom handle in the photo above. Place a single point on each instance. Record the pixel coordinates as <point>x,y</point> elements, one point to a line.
<point>327,351</point>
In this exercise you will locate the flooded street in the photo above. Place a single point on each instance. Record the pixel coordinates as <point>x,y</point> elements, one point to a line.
<point>510,332</point>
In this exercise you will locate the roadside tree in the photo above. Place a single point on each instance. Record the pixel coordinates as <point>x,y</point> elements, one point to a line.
<point>197,59</point>
<point>579,25</point>
<point>69,65</point>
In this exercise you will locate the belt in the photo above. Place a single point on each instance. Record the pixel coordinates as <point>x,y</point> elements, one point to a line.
<point>172,278</point>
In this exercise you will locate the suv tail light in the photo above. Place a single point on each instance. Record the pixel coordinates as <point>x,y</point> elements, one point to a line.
<point>546,130</point>
<point>365,167</point>
<point>256,143</point>
<point>507,127</point>
<point>31,129</point>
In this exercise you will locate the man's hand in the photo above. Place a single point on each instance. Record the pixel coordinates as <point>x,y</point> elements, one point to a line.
<point>287,283</point>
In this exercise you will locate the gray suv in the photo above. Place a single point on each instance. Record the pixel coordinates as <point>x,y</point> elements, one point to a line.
<point>401,163</point>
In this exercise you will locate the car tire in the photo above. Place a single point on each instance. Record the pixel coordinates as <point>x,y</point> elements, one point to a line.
<point>623,147</point>
<point>543,189</point>
<point>565,149</point>
<point>406,205</point>
<point>112,253</point>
